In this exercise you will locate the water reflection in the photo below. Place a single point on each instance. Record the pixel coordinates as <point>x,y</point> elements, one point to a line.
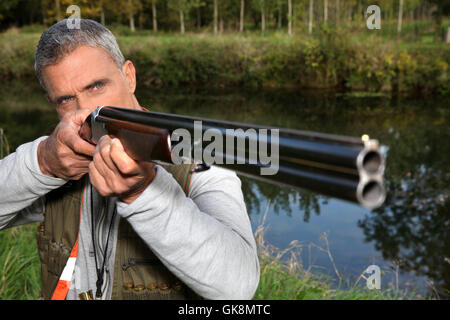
<point>411,228</point>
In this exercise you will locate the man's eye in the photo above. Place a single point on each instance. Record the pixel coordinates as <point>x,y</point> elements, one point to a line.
<point>65,100</point>
<point>97,86</point>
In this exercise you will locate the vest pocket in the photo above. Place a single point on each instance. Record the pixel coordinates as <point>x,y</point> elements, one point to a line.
<point>53,255</point>
<point>57,258</point>
<point>42,244</point>
<point>53,258</point>
<point>148,279</point>
<point>139,274</point>
<point>139,281</point>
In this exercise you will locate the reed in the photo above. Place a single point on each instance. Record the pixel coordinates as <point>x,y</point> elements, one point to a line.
<point>284,277</point>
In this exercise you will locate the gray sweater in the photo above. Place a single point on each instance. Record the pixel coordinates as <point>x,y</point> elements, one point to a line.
<point>204,239</point>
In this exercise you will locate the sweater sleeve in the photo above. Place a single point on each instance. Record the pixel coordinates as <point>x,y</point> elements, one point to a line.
<point>205,239</point>
<point>23,186</point>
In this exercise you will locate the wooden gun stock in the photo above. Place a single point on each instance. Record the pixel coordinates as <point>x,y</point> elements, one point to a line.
<point>141,142</point>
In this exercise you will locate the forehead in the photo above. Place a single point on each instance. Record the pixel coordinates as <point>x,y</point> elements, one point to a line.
<point>78,69</point>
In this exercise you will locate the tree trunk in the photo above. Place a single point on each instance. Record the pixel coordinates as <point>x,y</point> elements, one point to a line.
<point>181,21</point>
<point>141,20</point>
<point>325,11</point>
<point>241,19</point>
<point>132,22</point>
<point>279,16</point>
<point>102,16</point>
<point>58,10</point>
<point>338,12</point>
<point>400,16</point>
<point>289,17</point>
<point>311,7</point>
<point>447,36</point>
<point>294,14</point>
<point>155,22</point>
<point>216,13</point>
<point>131,17</point>
<point>199,18</point>
<point>263,20</point>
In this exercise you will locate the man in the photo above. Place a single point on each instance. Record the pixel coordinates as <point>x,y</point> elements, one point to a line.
<point>113,227</point>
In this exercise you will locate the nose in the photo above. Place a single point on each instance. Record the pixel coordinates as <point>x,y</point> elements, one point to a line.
<point>86,103</point>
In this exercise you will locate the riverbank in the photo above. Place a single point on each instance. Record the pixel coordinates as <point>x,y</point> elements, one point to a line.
<point>332,60</point>
<point>280,279</point>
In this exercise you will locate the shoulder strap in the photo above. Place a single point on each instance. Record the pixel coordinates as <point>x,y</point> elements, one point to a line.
<point>182,174</point>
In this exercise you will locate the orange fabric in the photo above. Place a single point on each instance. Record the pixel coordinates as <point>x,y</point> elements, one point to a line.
<point>63,286</point>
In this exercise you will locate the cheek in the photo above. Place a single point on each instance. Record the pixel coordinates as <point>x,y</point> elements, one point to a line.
<point>121,97</point>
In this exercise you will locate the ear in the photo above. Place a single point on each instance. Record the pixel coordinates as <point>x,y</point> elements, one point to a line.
<point>130,74</point>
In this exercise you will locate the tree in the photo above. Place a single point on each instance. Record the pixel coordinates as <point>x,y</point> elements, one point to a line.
<point>442,8</point>
<point>155,22</point>
<point>56,10</point>
<point>338,12</point>
<point>183,6</point>
<point>180,6</point>
<point>216,14</point>
<point>400,16</point>
<point>6,6</point>
<point>262,7</point>
<point>241,17</point>
<point>311,15</point>
<point>290,17</point>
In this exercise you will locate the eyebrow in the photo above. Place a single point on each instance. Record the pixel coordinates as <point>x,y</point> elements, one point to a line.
<point>59,99</point>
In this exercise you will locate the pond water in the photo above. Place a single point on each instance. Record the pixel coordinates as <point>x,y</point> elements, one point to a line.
<point>408,237</point>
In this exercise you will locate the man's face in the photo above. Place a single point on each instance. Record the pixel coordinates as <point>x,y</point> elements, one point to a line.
<point>88,78</point>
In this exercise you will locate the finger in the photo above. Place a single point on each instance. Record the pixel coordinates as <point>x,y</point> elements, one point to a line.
<point>78,145</point>
<point>77,165</point>
<point>104,145</point>
<point>112,177</point>
<point>79,116</point>
<point>102,168</point>
<point>98,181</point>
<point>125,164</point>
<point>75,119</point>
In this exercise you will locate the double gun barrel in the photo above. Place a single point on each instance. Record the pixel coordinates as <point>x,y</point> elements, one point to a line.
<point>337,166</point>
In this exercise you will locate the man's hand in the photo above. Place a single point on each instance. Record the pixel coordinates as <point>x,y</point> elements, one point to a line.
<point>114,173</point>
<point>64,154</point>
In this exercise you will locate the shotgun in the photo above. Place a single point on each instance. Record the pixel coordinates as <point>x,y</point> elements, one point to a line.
<point>342,167</point>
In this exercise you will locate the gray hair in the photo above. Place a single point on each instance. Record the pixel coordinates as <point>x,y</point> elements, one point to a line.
<point>60,40</point>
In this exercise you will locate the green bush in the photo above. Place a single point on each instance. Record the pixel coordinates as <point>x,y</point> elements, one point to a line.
<point>330,60</point>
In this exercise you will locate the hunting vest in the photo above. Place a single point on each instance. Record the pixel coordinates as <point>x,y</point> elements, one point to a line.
<point>138,273</point>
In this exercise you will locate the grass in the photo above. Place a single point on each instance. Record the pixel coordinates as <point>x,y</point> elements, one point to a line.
<point>283,277</point>
<point>20,277</point>
<point>280,279</point>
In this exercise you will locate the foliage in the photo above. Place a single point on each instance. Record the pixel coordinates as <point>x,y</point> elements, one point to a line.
<point>199,13</point>
<point>331,61</point>
<point>20,278</point>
